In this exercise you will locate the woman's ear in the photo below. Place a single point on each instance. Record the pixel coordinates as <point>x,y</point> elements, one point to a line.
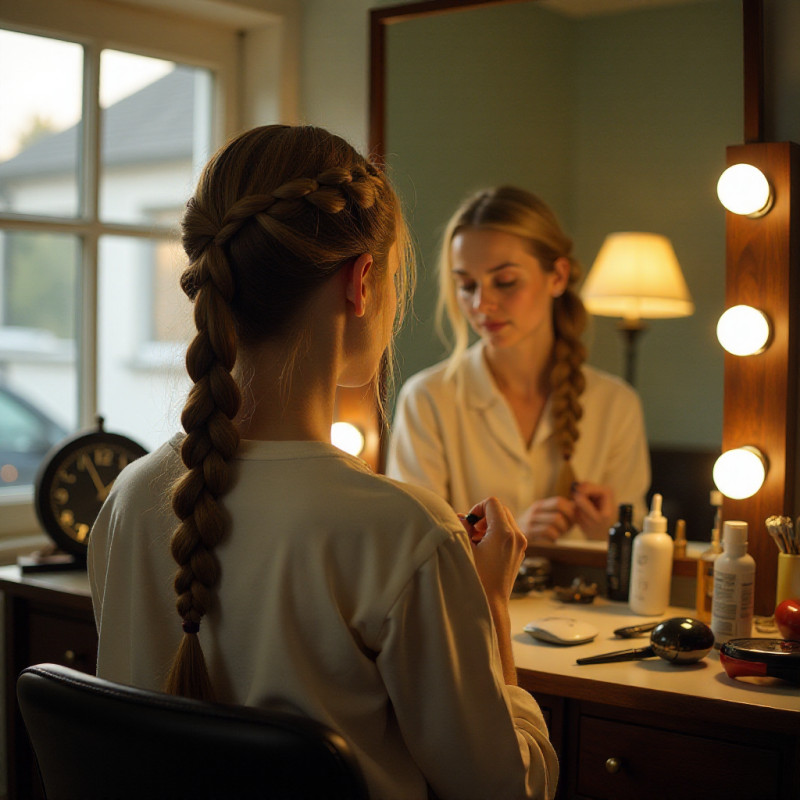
<point>356,288</point>
<point>561,272</point>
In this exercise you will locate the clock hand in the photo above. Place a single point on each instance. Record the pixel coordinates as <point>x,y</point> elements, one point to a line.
<point>88,465</point>
<point>104,494</point>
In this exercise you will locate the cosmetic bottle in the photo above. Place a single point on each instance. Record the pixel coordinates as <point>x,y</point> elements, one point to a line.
<point>618,563</point>
<point>651,567</point>
<point>705,567</point>
<point>679,546</point>
<point>734,583</point>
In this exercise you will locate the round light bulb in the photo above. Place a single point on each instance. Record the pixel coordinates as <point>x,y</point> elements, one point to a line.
<point>740,473</point>
<point>743,330</point>
<point>347,437</point>
<point>743,189</point>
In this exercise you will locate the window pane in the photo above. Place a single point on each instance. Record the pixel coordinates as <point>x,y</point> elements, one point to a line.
<point>41,87</point>
<point>144,325</point>
<point>156,129</point>
<point>38,334</point>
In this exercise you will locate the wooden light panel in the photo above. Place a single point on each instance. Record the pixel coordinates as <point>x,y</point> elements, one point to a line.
<point>760,399</point>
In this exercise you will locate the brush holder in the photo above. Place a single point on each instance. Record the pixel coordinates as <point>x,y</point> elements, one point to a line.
<point>788,586</point>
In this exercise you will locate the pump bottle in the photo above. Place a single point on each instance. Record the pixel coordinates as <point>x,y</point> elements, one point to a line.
<point>618,563</point>
<point>651,569</point>
<point>734,584</point>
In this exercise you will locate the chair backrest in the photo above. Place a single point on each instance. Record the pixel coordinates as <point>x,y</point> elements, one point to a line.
<point>97,739</point>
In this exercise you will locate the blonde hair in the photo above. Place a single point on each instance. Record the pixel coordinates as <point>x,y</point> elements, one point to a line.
<point>515,211</point>
<point>277,211</point>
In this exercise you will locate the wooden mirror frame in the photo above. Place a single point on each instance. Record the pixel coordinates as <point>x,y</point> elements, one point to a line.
<point>760,394</point>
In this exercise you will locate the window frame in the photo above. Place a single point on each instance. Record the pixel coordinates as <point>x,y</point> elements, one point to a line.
<point>96,27</point>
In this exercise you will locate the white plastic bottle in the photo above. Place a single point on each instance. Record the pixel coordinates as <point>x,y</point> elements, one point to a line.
<point>651,567</point>
<point>734,583</point>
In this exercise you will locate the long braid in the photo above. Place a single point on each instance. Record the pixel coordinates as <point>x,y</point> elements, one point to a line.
<point>210,443</point>
<point>567,381</point>
<point>230,304</point>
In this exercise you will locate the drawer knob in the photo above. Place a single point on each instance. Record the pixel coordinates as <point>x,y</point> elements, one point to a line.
<point>70,657</point>
<point>612,765</point>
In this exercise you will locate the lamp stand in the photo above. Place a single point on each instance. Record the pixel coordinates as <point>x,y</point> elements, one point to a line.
<point>630,330</point>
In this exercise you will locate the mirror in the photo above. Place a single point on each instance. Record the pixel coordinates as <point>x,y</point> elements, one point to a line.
<point>618,120</point>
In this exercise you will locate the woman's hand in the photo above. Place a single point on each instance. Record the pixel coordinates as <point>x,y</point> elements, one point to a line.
<point>498,547</point>
<point>549,519</point>
<point>595,509</point>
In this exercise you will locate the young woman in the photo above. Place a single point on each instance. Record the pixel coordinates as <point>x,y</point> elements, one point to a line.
<point>518,415</point>
<point>302,577</point>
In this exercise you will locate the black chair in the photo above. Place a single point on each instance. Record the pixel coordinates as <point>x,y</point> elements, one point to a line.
<point>97,739</point>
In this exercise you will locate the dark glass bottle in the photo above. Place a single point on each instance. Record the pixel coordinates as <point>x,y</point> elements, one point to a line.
<point>618,566</point>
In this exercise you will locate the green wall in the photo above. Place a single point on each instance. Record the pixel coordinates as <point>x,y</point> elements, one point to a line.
<point>619,122</point>
<point>458,119</point>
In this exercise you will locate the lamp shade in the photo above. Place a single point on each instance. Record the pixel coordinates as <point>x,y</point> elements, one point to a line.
<point>637,276</point>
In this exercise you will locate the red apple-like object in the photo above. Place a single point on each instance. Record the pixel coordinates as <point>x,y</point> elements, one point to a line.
<point>787,618</point>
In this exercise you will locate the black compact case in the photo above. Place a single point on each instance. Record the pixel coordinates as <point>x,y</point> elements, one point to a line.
<point>775,658</point>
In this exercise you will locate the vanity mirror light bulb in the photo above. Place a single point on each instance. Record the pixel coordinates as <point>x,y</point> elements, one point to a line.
<point>740,473</point>
<point>347,437</point>
<point>743,330</point>
<point>743,189</point>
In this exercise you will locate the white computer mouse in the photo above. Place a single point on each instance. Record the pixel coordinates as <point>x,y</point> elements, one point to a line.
<point>561,630</point>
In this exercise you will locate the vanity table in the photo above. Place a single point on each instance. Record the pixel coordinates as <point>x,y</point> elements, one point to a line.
<point>635,729</point>
<point>627,730</point>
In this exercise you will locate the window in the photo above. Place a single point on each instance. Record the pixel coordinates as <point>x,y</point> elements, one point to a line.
<point>100,148</point>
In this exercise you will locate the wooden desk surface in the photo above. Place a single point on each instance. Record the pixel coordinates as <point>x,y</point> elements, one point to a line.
<point>697,689</point>
<point>651,683</point>
<point>71,587</point>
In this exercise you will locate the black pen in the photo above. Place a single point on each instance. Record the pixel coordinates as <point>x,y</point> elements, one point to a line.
<point>472,518</point>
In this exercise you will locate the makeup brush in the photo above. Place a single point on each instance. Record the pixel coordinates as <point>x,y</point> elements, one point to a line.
<point>772,525</point>
<point>786,529</point>
<point>782,530</point>
<point>791,536</point>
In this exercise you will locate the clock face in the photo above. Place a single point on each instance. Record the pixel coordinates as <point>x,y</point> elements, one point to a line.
<point>76,480</point>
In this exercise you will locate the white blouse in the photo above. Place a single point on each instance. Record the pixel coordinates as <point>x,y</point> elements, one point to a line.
<point>458,437</point>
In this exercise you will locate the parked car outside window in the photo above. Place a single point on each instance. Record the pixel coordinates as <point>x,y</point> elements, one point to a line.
<point>26,435</point>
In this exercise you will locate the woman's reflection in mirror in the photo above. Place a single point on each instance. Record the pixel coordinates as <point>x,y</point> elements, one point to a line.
<point>519,414</point>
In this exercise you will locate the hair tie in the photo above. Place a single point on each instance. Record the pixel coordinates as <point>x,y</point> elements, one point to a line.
<point>189,626</point>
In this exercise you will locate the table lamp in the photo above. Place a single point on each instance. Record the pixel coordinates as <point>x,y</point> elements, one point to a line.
<point>636,276</point>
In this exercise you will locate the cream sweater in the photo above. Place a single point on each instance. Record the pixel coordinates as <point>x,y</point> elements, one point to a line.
<point>345,594</point>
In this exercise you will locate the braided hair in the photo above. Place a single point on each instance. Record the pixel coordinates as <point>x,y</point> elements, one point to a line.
<point>277,211</point>
<point>515,211</point>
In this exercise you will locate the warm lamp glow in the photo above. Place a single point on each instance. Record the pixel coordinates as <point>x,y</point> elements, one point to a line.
<point>741,472</point>
<point>743,189</point>
<point>637,276</point>
<point>743,330</point>
<point>347,437</point>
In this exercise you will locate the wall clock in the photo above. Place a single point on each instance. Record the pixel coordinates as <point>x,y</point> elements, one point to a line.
<point>74,480</point>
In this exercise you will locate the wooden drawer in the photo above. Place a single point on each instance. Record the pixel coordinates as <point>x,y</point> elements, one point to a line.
<point>40,626</point>
<point>670,764</point>
<point>60,639</point>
